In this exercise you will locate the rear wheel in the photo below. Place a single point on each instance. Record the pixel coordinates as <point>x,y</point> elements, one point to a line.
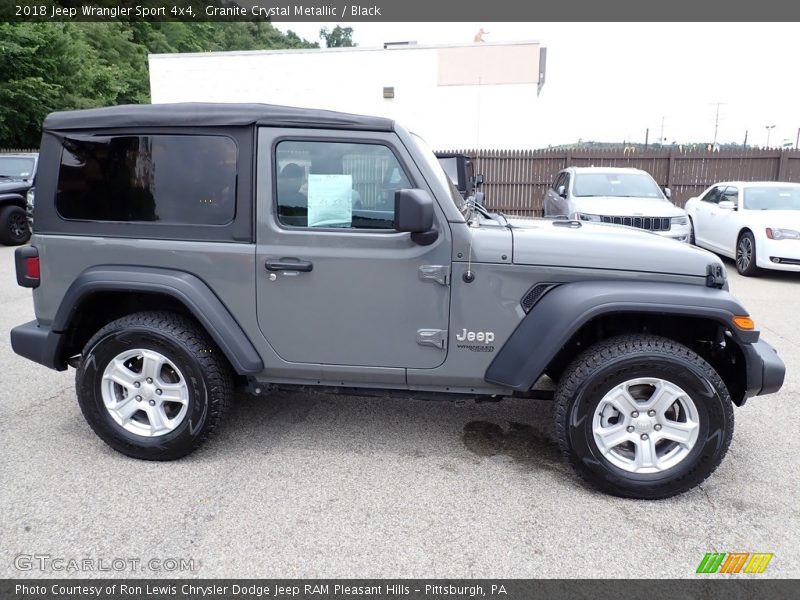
<point>746,255</point>
<point>642,416</point>
<point>14,229</point>
<point>152,385</point>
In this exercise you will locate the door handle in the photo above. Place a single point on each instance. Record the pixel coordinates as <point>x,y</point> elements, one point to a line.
<point>289,264</point>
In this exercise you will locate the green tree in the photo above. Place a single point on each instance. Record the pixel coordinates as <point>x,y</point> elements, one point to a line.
<point>338,37</point>
<point>46,67</point>
<point>62,66</point>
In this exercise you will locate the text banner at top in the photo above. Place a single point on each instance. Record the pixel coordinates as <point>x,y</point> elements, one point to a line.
<point>394,11</point>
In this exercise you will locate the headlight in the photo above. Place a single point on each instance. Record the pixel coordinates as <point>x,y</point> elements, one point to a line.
<point>585,217</point>
<point>680,220</point>
<point>774,233</point>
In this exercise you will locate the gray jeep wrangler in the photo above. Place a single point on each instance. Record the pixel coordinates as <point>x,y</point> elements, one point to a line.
<point>185,251</point>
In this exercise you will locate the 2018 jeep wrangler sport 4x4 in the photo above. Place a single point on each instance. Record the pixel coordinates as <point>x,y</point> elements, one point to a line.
<point>183,251</point>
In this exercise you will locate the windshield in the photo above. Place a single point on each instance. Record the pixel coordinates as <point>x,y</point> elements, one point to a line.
<point>619,185</point>
<point>436,166</point>
<point>772,198</point>
<point>13,166</point>
<point>450,166</point>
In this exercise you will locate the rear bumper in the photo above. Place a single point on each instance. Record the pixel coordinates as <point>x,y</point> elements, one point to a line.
<point>39,344</point>
<point>765,369</point>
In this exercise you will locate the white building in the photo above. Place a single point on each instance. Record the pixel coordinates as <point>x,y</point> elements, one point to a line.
<point>480,95</point>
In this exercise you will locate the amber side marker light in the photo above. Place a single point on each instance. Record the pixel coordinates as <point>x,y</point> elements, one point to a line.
<point>744,322</point>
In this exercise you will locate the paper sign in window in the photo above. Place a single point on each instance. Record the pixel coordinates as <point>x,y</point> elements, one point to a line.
<point>330,200</point>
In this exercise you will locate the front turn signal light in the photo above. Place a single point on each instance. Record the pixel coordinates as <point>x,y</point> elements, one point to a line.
<point>744,322</point>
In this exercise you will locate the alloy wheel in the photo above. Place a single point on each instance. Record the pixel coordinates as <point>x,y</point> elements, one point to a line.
<point>145,393</point>
<point>646,425</point>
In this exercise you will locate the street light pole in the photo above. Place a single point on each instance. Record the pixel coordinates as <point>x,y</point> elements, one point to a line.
<point>769,129</point>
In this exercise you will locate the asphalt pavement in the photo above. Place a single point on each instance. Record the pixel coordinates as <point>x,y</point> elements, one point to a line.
<point>311,485</point>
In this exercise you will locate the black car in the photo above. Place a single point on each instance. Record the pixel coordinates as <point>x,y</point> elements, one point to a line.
<point>17,172</point>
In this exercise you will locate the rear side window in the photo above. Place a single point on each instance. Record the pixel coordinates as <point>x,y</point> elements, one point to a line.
<point>169,179</point>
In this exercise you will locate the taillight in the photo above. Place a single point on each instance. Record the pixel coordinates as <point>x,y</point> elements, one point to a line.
<point>26,259</point>
<point>32,268</point>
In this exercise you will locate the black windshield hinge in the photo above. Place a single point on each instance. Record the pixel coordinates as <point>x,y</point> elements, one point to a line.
<point>715,276</point>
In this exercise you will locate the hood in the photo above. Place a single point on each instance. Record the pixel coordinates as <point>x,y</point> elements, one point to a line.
<point>602,246</point>
<point>785,219</point>
<point>14,185</point>
<point>624,207</point>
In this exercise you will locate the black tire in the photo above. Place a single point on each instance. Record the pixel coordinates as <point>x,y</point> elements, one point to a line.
<point>692,239</point>
<point>182,341</point>
<point>746,264</point>
<point>14,229</point>
<point>606,364</point>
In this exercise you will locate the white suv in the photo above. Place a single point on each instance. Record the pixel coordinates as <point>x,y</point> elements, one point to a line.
<point>620,196</point>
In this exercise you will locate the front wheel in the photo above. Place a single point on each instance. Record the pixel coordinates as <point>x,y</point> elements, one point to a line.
<point>14,229</point>
<point>642,416</point>
<point>746,255</point>
<point>152,385</point>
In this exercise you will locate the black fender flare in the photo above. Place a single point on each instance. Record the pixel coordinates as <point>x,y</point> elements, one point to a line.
<point>12,199</point>
<point>188,289</point>
<point>563,310</point>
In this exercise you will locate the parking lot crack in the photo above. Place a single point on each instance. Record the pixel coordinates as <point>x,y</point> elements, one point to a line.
<point>708,498</point>
<point>25,409</point>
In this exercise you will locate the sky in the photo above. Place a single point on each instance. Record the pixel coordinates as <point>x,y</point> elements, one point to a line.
<point>612,81</point>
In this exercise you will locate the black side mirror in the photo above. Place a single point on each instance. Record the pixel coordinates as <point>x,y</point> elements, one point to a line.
<point>478,180</point>
<point>413,212</point>
<point>562,191</point>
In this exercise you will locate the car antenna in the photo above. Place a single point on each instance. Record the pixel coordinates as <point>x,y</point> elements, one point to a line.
<point>469,276</point>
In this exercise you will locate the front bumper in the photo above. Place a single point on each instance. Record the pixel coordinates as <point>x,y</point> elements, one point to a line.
<point>781,255</point>
<point>39,344</point>
<point>680,233</point>
<point>765,369</point>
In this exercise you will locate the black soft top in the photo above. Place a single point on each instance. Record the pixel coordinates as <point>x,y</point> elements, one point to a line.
<point>189,114</point>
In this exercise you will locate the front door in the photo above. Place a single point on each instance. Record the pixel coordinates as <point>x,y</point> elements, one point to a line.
<point>336,284</point>
<point>728,222</point>
<point>706,218</point>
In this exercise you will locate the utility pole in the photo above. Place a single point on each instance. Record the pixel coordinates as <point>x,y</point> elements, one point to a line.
<point>661,139</point>
<point>744,145</point>
<point>716,122</point>
<point>646,136</point>
<point>797,139</point>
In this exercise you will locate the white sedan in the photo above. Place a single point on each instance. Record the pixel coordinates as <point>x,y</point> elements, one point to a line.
<point>756,223</point>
